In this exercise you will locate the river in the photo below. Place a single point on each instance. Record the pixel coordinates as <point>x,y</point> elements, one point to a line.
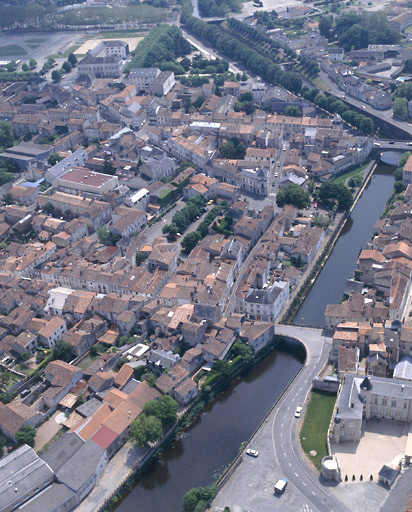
<point>329,285</point>
<point>213,442</point>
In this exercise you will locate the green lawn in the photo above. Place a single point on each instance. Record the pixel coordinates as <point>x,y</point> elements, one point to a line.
<point>33,46</point>
<point>354,172</point>
<point>12,50</point>
<point>315,426</point>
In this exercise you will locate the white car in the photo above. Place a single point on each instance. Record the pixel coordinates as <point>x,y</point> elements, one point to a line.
<point>409,143</point>
<point>376,144</point>
<point>363,107</point>
<point>252,453</point>
<point>298,411</point>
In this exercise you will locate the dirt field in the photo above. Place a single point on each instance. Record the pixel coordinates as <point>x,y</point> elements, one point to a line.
<point>91,43</point>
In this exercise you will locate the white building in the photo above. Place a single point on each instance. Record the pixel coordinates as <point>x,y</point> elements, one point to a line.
<point>266,304</point>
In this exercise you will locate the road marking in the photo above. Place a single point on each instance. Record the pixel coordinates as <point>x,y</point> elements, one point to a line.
<point>314,493</point>
<point>304,484</point>
<point>282,425</point>
<point>296,474</point>
<point>290,464</point>
<point>281,435</point>
<point>284,453</point>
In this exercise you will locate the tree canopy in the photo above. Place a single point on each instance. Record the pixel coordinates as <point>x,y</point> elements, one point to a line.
<point>145,430</point>
<point>233,149</point>
<point>330,192</point>
<point>164,408</point>
<point>26,435</point>
<point>293,194</point>
<point>62,351</point>
<point>400,107</point>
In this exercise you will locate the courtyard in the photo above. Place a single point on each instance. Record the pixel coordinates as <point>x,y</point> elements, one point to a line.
<point>382,442</point>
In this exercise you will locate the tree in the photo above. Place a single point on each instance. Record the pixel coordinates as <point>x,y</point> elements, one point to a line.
<point>199,101</point>
<point>8,198</point>
<point>67,66</point>
<point>293,194</point>
<point>293,111</point>
<point>72,59</point>
<point>190,241</point>
<point>145,430</point>
<point>32,63</point>
<point>24,67</point>
<point>399,186</point>
<point>26,435</point>
<point>197,496</point>
<point>6,135</point>
<point>222,368</point>
<point>400,108</point>
<point>56,76</point>
<point>54,158</point>
<point>164,408</point>
<point>150,378</point>
<point>62,351</point>
<point>108,167</point>
<point>330,193</point>
<point>233,149</point>
<point>244,351</point>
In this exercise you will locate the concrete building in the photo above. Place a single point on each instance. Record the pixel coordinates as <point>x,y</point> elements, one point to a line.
<point>266,304</point>
<point>255,181</point>
<point>101,67</point>
<point>368,398</point>
<point>91,184</point>
<point>22,475</point>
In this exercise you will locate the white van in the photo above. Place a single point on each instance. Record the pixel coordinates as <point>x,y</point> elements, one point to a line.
<point>280,486</point>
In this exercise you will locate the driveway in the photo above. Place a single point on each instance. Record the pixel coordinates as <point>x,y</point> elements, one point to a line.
<point>47,431</point>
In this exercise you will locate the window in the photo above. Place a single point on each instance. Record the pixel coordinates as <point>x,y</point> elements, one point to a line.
<point>393,403</point>
<point>405,405</point>
<point>384,401</point>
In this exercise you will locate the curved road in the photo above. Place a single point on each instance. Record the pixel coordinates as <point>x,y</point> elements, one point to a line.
<point>250,488</point>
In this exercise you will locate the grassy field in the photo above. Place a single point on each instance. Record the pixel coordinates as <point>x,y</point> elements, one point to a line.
<point>354,172</point>
<point>315,426</point>
<point>12,50</point>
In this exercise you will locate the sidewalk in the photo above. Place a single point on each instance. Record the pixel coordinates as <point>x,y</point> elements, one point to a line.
<point>117,469</point>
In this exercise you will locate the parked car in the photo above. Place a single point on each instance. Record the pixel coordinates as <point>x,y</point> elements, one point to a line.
<point>252,453</point>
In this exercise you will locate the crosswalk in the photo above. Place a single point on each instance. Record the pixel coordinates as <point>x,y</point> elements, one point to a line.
<point>305,508</point>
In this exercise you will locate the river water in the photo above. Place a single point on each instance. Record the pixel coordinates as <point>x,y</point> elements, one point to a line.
<point>213,442</point>
<point>329,285</point>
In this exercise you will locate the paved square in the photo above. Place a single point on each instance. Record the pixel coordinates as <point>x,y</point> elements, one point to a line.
<point>382,442</point>
<point>92,43</point>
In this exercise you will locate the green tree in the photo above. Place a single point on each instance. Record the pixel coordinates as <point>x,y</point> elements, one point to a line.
<point>145,430</point>
<point>6,135</point>
<point>222,368</point>
<point>56,77</point>
<point>72,59</point>
<point>293,194</point>
<point>108,167</point>
<point>400,107</point>
<point>150,378</point>
<point>25,67</point>
<point>8,198</point>
<point>330,193</point>
<point>189,241</point>
<point>54,158</point>
<point>293,111</point>
<point>244,351</point>
<point>197,496</point>
<point>26,435</point>
<point>233,149</point>
<point>32,63</point>
<point>62,351</point>
<point>164,408</point>
<point>67,66</point>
